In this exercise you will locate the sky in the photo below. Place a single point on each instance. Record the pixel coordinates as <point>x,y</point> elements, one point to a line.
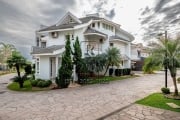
<point>19,19</point>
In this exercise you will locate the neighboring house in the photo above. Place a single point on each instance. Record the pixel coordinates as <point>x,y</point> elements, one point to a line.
<point>95,34</point>
<point>138,54</point>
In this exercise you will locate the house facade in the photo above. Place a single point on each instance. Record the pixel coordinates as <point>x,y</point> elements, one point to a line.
<point>138,54</point>
<point>95,35</point>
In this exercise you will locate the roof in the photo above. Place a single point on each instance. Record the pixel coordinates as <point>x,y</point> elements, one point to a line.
<point>63,26</point>
<point>51,49</point>
<point>117,37</point>
<point>93,31</point>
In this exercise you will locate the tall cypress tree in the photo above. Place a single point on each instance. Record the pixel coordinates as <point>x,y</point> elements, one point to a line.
<point>65,71</point>
<point>77,57</point>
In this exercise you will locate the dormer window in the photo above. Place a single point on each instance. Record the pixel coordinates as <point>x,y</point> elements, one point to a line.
<point>54,34</point>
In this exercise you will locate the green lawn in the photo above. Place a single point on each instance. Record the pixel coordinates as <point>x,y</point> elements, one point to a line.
<point>27,87</point>
<point>159,101</point>
<point>108,79</point>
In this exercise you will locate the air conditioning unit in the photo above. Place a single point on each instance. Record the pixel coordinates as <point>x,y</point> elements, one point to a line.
<point>54,34</point>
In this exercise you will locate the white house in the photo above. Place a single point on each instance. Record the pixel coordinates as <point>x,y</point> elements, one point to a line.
<point>95,34</point>
<point>138,54</point>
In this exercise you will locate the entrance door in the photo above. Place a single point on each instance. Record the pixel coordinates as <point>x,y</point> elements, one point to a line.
<point>52,67</point>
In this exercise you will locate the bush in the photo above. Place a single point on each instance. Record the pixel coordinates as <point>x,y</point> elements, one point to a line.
<point>34,83</point>
<point>16,79</point>
<point>111,71</point>
<point>40,84</point>
<point>178,80</point>
<point>165,90</point>
<point>28,69</point>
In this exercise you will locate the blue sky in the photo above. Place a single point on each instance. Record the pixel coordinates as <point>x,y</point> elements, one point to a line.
<point>143,18</point>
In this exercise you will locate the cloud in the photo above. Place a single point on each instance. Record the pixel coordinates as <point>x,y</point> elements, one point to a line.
<point>164,15</point>
<point>20,19</point>
<point>105,7</point>
<point>146,11</point>
<point>111,14</point>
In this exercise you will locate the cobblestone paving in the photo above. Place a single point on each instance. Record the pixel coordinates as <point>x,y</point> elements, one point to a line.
<point>139,112</point>
<point>81,103</point>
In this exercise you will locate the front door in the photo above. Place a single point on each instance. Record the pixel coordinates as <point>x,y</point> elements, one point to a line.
<point>52,67</point>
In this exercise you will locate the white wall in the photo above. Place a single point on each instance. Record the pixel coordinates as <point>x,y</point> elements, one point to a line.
<point>44,68</point>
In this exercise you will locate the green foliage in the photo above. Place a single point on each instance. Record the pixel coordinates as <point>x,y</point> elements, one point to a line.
<point>96,63</point>
<point>113,58</point>
<point>5,52</point>
<point>17,61</point>
<point>41,83</point>
<point>34,83</point>
<point>150,66</point>
<point>178,80</point>
<point>165,90</point>
<point>28,69</point>
<point>159,101</point>
<point>166,52</point>
<point>27,87</point>
<point>65,71</point>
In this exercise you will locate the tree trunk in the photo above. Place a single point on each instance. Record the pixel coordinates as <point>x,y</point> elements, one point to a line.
<point>175,86</point>
<point>20,81</point>
<point>106,69</point>
<point>18,71</point>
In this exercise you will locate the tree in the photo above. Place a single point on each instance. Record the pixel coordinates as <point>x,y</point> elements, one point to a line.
<point>113,58</point>
<point>17,61</point>
<point>77,58</point>
<point>5,52</point>
<point>65,71</point>
<point>167,53</point>
<point>149,66</point>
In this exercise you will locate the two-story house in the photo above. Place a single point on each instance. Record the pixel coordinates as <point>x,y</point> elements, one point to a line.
<point>95,34</point>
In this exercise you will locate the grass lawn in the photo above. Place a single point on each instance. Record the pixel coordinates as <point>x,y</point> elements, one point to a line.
<point>107,79</point>
<point>27,87</point>
<point>159,101</point>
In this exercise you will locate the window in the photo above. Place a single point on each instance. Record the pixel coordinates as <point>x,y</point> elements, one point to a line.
<point>43,44</point>
<point>93,24</point>
<point>37,65</point>
<point>71,20</point>
<point>72,36</point>
<point>98,24</point>
<point>37,41</point>
<point>111,44</point>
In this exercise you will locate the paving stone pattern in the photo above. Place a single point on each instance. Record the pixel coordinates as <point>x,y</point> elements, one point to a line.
<point>82,103</point>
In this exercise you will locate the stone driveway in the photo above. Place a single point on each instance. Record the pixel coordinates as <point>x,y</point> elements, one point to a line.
<point>82,103</point>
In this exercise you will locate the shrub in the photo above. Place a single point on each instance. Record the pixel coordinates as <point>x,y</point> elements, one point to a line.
<point>28,69</point>
<point>50,82</point>
<point>111,71</point>
<point>178,80</point>
<point>40,84</point>
<point>165,90</point>
<point>34,83</point>
<point>16,79</point>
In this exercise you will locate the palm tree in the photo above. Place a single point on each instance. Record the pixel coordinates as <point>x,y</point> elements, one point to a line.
<point>5,52</point>
<point>167,53</point>
<point>113,58</point>
<point>17,61</point>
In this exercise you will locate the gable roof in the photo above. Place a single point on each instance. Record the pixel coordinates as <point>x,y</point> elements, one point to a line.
<point>63,26</point>
<point>65,16</point>
<point>51,49</point>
